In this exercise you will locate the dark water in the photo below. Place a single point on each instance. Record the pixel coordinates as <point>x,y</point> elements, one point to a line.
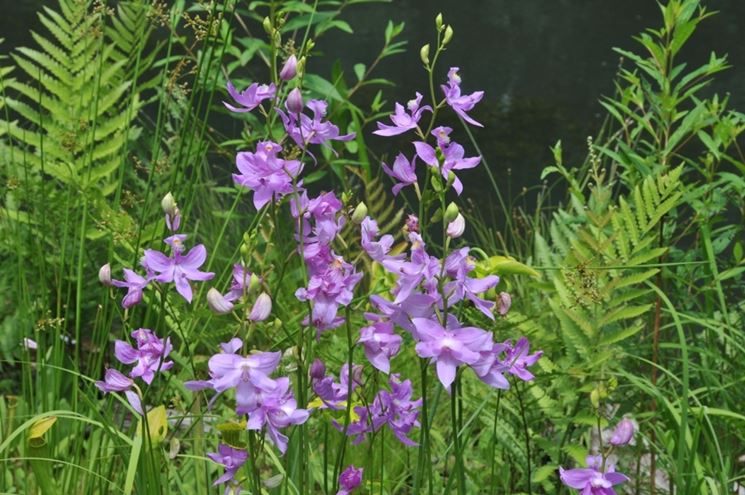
<point>543,65</point>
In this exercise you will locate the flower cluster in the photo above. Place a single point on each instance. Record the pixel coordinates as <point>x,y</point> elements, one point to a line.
<point>600,476</point>
<point>148,357</point>
<point>425,292</point>
<point>268,402</point>
<point>331,279</point>
<point>232,459</point>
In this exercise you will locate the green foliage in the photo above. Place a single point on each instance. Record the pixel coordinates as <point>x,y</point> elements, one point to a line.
<point>71,112</point>
<point>607,252</point>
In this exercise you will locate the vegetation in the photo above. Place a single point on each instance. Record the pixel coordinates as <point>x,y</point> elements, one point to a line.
<point>317,332</point>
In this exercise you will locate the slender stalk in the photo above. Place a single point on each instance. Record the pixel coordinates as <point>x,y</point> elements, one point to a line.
<point>526,433</point>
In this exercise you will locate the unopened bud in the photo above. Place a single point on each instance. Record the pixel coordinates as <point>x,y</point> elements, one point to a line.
<point>412,224</point>
<point>262,308</point>
<point>301,65</point>
<point>104,274</point>
<point>359,213</point>
<point>218,303</point>
<point>504,301</point>
<point>267,24</point>
<point>623,433</point>
<point>452,212</point>
<point>451,178</point>
<point>168,203</point>
<point>447,36</point>
<point>245,251</point>
<point>254,282</point>
<point>424,54</point>
<point>295,101</point>
<point>289,70</point>
<point>456,227</point>
<point>438,21</point>
<point>317,370</point>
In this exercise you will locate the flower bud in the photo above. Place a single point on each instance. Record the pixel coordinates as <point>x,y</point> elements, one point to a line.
<point>623,433</point>
<point>104,274</point>
<point>267,24</point>
<point>301,65</point>
<point>412,224</point>
<point>504,301</point>
<point>359,213</point>
<point>451,178</point>
<point>274,481</point>
<point>218,303</point>
<point>438,21</point>
<point>295,101</point>
<point>262,307</point>
<point>447,36</point>
<point>168,203</point>
<point>289,70</point>
<point>254,281</point>
<point>456,227</point>
<point>317,370</point>
<point>424,54</point>
<point>245,251</point>
<point>309,45</point>
<point>452,212</point>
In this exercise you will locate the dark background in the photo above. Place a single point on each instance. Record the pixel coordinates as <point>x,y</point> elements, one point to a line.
<point>542,63</point>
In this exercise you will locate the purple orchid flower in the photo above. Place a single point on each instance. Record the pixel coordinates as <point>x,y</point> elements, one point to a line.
<point>457,266</point>
<point>247,375</point>
<point>421,268</point>
<point>592,481</point>
<point>376,249</point>
<point>275,409</point>
<point>453,156</point>
<point>332,394</point>
<point>402,120</point>
<point>114,381</point>
<point>249,98</point>
<point>490,368</point>
<point>329,289</point>
<point>397,410</point>
<point>349,480</point>
<point>450,347</point>
<point>149,355</point>
<point>381,344</point>
<point>231,459</point>
<point>458,102</point>
<point>324,211</point>
<point>518,359</point>
<point>267,175</point>
<point>305,130</point>
<point>415,306</point>
<point>135,283</point>
<point>179,268</point>
<point>241,283</point>
<point>403,172</point>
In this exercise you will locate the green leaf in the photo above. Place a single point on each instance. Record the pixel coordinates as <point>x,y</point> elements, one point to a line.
<point>543,472</point>
<point>503,265</point>
<point>359,71</point>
